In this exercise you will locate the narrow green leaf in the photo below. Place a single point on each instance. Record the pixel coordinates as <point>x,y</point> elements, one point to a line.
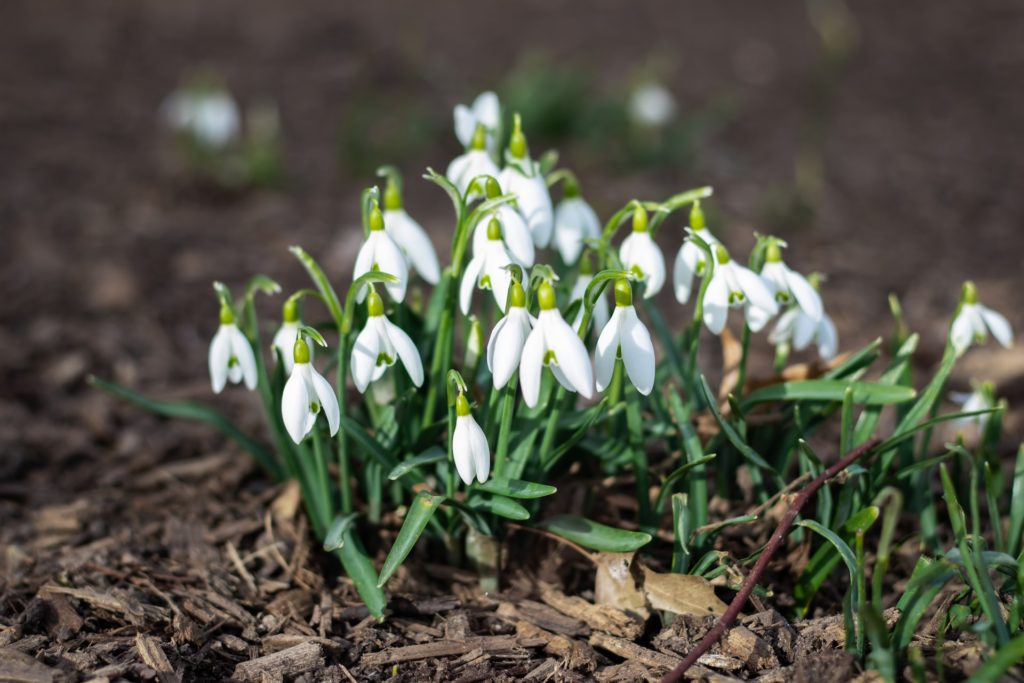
<point>864,393</point>
<point>432,455</point>
<point>516,488</point>
<point>420,511</point>
<point>1017,506</point>
<point>857,362</point>
<point>1010,654</point>
<point>359,568</point>
<point>335,538</point>
<point>730,433</point>
<point>928,578</point>
<point>839,544</point>
<point>595,536</point>
<point>498,505</point>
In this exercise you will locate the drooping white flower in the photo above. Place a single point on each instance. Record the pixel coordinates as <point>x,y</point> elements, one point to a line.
<point>600,315</point>
<point>651,105</point>
<point>231,357</point>
<point>306,394</point>
<point>625,335</point>
<point>691,261</point>
<point>733,286</point>
<point>523,178</point>
<point>505,347</point>
<point>410,236</point>
<point>287,334</point>
<point>475,162</point>
<point>575,222</point>
<point>554,344</point>
<point>514,232</point>
<point>380,253</point>
<point>789,286</point>
<point>797,328</point>
<point>981,398</point>
<point>486,112</point>
<point>642,256</point>
<point>487,270</point>
<point>469,445</point>
<point>974,322</point>
<point>211,116</point>
<point>379,345</point>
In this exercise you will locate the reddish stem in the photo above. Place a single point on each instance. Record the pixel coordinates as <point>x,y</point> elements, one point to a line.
<point>766,555</point>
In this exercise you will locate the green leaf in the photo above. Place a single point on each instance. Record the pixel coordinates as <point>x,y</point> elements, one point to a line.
<point>731,434</point>
<point>498,505</point>
<point>432,455</point>
<point>323,285</point>
<point>928,578</point>
<point>595,536</point>
<point>359,568</point>
<point>453,192</point>
<point>1017,505</point>
<point>335,537</point>
<point>420,511</point>
<point>516,488</point>
<point>262,283</point>
<point>864,393</point>
<point>857,362</point>
<point>840,545</point>
<point>1010,654</point>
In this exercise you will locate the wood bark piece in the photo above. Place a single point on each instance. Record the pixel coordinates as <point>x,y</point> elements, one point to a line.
<point>658,661</point>
<point>288,662</point>
<point>447,648</point>
<point>154,657</point>
<point>575,654</point>
<point>599,617</point>
<point>18,667</point>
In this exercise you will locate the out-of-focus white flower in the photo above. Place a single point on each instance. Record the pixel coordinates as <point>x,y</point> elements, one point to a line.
<point>469,445</point>
<point>981,398</point>
<point>733,286</point>
<point>486,112</point>
<point>487,270</point>
<point>651,105</point>
<point>410,236</point>
<point>380,253</point>
<point>475,162</point>
<point>625,335</point>
<point>974,321</point>
<point>600,314</point>
<point>789,286</point>
<point>287,334</point>
<point>514,232</point>
<point>523,177</point>
<point>380,344</point>
<point>691,261</point>
<point>641,255</point>
<point>210,116</point>
<point>306,393</point>
<point>797,328</point>
<point>231,357</point>
<point>554,344</point>
<point>505,347</point>
<point>575,222</point>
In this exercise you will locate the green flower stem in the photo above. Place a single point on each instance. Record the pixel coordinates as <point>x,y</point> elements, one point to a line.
<point>323,486</point>
<point>344,480</point>
<point>271,405</point>
<point>547,442</point>
<point>634,424</point>
<point>453,473</point>
<point>508,407</point>
<point>741,373</point>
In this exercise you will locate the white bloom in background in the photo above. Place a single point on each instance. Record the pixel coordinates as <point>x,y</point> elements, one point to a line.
<point>626,335</point>
<point>642,256</point>
<point>733,286</point>
<point>554,344</point>
<point>975,321</point>
<point>475,162</point>
<point>380,344</point>
<point>306,393</point>
<point>469,445</point>
<point>575,222</point>
<point>798,329</point>
<point>231,357</point>
<point>981,398</point>
<point>505,347</point>
<point>691,261</point>
<point>485,112</point>
<point>287,334</point>
<point>600,315</point>
<point>380,253</point>
<point>487,270</point>
<point>514,232</point>
<point>789,286</point>
<point>410,236</point>
<point>651,105</point>
<point>210,116</point>
<point>523,178</point>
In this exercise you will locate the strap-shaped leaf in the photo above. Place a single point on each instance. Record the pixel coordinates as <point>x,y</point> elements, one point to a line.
<point>516,488</point>
<point>499,505</point>
<point>422,508</point>
<point>432,455</point>
<point>335,538</point>
<point>594,535</point>
<point>864,393</point>
<point>360,569</point>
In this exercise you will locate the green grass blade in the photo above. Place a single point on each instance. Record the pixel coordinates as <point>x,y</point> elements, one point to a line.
<point>1010,654</point>
<point>730,433</point>
<point>420,511</point>
<point>1017,506</point>
<point>864,393</point>
<point>594,535</point>
<point>432,455</point>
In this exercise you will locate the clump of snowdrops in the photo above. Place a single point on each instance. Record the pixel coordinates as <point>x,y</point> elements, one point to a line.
<point>456,389</point>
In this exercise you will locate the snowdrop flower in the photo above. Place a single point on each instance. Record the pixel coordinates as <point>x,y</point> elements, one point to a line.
<point>469,445</point>
<point>642,256</point>
<point>485,112</point>
<point>733,286</point>
<point>554,344</point>
<point>475,162</point>
<point>691,261</point>
<point>409,235</point>
<point>600,314</point>
<point>487,270</point>
<point>379,345</point>
<point>231,357</point>
<point>306,393</point>
<point>575,222</point>
<point>651,105</point>
<point>789,286</point>
<point>523,178</point>
<point>514,230</point>
<point>981,398</point>
<point>288,334</point>
<point>379,252</point>
<point>975,321</point>
<point>797,328</point>
<point>505,347</point>
<point>209,115</point>
<point>625,335</point>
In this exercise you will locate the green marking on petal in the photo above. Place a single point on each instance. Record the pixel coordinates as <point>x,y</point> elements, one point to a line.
<point>549,357</point>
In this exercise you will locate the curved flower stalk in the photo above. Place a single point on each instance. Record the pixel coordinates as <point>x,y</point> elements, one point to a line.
<point>787,285</point>
<point>575,222</point>
<point>642,256</point>
<point>485,112</point>
<point>974,322</point>
<point>473,163</point>
<point>379,252</point>
<point>691,261</point>
<point>306,395</point>
<point>554,344</point>
<point>733,286</point>
<point>380,344</point>
<point>523,178</point>
<point>626,337</point>
<point>469,445</point>
<point>288,334</point>
<point>514,232</point>
<point>409,235</point>
<point>505,347</point>
<point>600,314</point>
<point>231,357</point>
<point>487,270</point>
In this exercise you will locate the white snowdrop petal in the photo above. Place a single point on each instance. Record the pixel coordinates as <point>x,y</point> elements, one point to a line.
<point>806,296</point>
<point>804,331</point>
<point>295,406</point>
<point>716,304</point>
<point>783,330</point>
<point>509,351</point>
<point>961,334</point>
<point>465,124</point>
<point>328,399</point>
<point>530,367</point>
<point>757,317</point>
<point>606,350</point>
<point>517,236</point>
<point>570,353</point>
<point>654,268</point>
<point>462,449</point>
<point>493,342</point>
<point>682,276</point>
<point>828,338</point>
<point>480,450</point>
<point>557,373</point>
<point>469,282</point>
<point>755,290</point>
<point>637,352</point>
<point>487,110</point>
<point>415,244</point>
<point>364,357</point>
<point>241,349</point>
<point>235,373</point>
<point>218,359</point>
<point>406,350</point>
<point>456,170</point>
<point>998,325</point>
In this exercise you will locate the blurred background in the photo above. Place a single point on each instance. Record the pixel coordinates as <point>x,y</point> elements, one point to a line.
<point>882,139</point>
